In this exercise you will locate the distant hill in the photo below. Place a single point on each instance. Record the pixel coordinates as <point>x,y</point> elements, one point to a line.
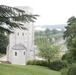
<point>58,26</point>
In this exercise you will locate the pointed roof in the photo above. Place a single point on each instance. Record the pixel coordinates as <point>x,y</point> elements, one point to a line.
<point>19,46</point>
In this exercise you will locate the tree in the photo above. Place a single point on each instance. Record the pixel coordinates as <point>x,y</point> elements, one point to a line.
<point>48,52</point>
<point>3,43</point>
<point>55,31</point>
<point>70,32</point>
<point>13,18</point>
<point>46,49</point>
<point>70,56</point>
<point>47,32</point>
<point>70,35</point>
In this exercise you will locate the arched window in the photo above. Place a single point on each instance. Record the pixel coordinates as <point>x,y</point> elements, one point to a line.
<point>15,53</point>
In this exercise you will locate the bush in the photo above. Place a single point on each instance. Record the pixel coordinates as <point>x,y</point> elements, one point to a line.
<point>3,50</point>
<point>57,65</point>
<point>64,71</point>
<point>37,62</point>
<point>70,70</point>
<point>67,57</point>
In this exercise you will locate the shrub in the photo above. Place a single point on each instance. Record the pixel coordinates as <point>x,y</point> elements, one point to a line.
<point>71,70</point>
<point>37,62</point>
<point>64,71</point>
<point>57,65</point>
<point>67,57</point>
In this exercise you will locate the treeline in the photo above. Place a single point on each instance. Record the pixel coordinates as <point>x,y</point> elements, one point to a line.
<point>50,35</point>
<point>48,32</point>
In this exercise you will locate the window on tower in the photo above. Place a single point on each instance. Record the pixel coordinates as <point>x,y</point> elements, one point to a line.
<point>18,34</point>
<point>22,34</point>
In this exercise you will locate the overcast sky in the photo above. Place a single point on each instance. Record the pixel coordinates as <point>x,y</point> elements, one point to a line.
<point>50,11</point>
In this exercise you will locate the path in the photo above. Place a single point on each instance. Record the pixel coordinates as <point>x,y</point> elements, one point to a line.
<point>4,58</point>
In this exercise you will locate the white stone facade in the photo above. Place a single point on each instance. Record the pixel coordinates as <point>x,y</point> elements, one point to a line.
<point>21,43</point>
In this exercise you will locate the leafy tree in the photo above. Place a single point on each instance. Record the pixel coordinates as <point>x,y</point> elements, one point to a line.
<point>48,52</point>
<point>70,35</point>
<point>13,18</point>
<point>70,32</point>
<point>47,32</point>
<point>70,56</point>
<point>46,49</point>
<point>41,33</point>
<point>54,31</point>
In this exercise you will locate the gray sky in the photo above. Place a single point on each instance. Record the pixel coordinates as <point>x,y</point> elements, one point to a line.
<point>50,11</point>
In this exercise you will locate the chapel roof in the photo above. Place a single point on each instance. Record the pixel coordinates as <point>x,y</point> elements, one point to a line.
<point>19,46</point>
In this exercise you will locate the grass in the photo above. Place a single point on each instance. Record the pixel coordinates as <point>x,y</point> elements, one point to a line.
<point>6,69</point>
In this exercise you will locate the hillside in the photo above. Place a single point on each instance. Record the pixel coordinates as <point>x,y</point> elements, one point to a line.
<point>59,26</point>
<point>6,69</point>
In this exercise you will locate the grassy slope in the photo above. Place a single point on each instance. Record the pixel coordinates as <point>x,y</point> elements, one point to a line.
<point>25,70</point>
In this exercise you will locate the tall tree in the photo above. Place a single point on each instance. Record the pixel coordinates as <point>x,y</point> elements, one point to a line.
<point>12,18</point>
<point>70,32</point>
<point>70,35</point>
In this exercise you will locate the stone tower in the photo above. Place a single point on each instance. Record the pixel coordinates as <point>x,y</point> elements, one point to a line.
<point>21,42</point>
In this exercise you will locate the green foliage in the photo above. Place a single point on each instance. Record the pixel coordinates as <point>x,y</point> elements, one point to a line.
<point>47,32</point>
<point>67,57</point>
<point>12,17</point>
<point>37,62</point>
<point>46,36</point>
<point>6,69</point>
<point>45,43</point>
<point>70,32</point>
<point>46,49</point>
<point>71,70</point>
<point>3,43</point>
<point>54,31</point>
<point>57,65</point>
<point>40,39</point>
<point>70,56</point>
<point>64,71</point>
<point>57,36</point>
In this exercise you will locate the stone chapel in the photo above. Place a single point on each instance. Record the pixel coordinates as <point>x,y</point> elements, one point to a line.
<point>21,43</point>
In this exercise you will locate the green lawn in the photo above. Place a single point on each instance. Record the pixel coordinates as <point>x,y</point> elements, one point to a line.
<point>6,69</point>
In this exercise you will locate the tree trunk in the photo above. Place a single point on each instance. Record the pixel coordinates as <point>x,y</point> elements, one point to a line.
<point>48,62</point>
